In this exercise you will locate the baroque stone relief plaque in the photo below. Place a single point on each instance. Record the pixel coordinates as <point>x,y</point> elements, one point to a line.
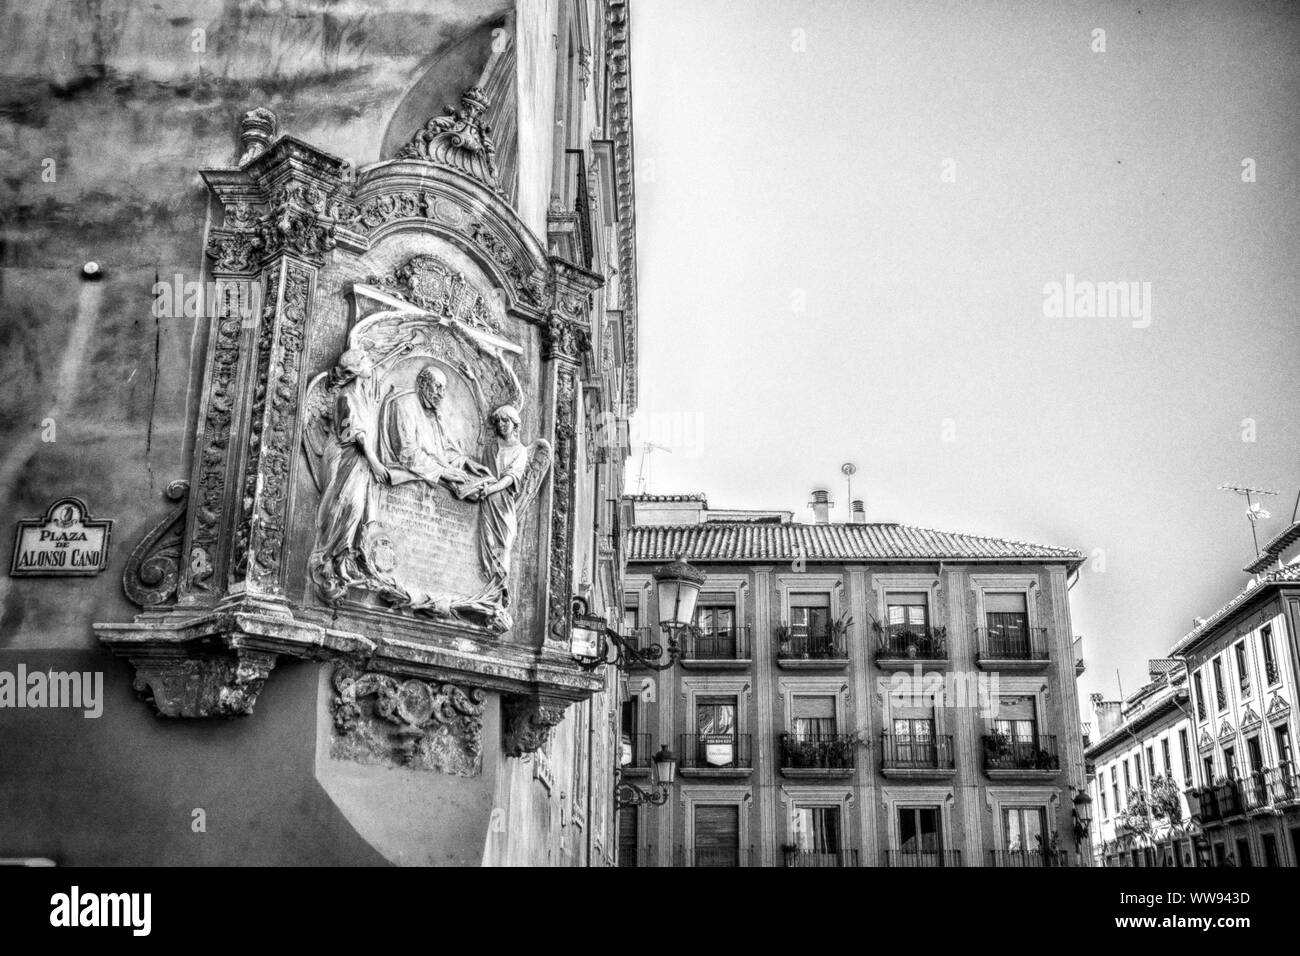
<point>431,726</point>
<point>413,442</point>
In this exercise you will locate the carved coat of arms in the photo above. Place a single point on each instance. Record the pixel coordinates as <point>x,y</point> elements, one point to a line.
<point>414,442</point>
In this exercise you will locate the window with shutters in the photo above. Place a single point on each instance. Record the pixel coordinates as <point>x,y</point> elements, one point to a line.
<point>813,716</point>
<point>1006,615</point>
<point>1185,751</point>
<point>715,621</point>
<point>717,835</point>
<point>1200,696</point>
<point>1164,754</point>
<point>1220,695</point>
<point>1024,829</point>
<point>1243,675</point>
<point>1016,720</point>
<point>628,827</point>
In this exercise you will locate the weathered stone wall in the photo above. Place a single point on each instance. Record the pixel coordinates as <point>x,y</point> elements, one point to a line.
<point>107,112</point>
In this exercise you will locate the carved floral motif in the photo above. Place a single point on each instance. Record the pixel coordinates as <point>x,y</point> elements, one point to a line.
<point>459,140</point>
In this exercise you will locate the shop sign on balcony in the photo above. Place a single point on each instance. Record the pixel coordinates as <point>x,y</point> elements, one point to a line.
<point>719,749</point>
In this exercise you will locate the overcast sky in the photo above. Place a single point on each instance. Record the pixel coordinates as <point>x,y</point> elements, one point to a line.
<point>848,213</point>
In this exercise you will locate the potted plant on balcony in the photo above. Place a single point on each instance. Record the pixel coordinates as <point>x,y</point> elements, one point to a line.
<point>997,747</point>
<point>839,630</point>
<point>783,635</point>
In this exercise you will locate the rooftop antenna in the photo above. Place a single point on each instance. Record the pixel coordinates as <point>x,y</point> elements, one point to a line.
<point>1254,512</point>
<point>1120,683</point>
<point>849,469</point>
<point>642,476</point>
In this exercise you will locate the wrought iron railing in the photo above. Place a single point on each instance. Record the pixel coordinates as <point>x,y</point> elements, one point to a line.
<point>717,644</point>
<point>715,752</point>
<point>903,752</point>
<point>714,856</point>
<point>923,858</point>
<point>1028,858</point>
<point>911,642</point>
<point>812,645</point>
<point>818,751</point>
<point>819,858</point>
<point>1005,752</point>
<point>1006,643</point>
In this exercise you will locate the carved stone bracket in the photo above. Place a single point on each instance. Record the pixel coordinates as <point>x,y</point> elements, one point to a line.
<point>529,722</point>
<point>201,682</point>
<point>437,725</point>
<point>153,569</point>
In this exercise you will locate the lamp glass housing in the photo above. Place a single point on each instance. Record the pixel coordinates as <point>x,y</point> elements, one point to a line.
<point>678,587</point>
<point>665,762</point>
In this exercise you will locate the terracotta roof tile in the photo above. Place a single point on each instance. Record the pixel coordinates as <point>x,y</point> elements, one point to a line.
<point>749,541</point>
<point>1285,575</point>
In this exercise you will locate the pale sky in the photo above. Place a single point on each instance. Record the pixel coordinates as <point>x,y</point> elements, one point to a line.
<point>812,290</point>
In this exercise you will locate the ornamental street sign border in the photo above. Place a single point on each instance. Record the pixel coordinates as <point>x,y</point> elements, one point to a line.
<point>89,523</point>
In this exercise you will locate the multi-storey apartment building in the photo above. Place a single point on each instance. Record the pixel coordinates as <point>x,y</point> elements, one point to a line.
<point>1140,766</point>
<point>1243,665</point>
<point>1217,720</point>
<point>862,693</point>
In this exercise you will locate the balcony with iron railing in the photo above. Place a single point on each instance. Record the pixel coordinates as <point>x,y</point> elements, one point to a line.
<point>818,858</point>
<point>716,648</point>
<point>715,755</point>
<point>800,649</point>
<point>924,859</point>
<point>1255,792</point>
<point>636,754</point>
<point>1029,858</point>
<point>1283,784</point>
<point>714,856</point>
<point>1012,757</point>
<point>818,755</point>
<point>1011,648</point>
<point>904,645</point>
<point>1080,665</point>
<point>917,758</point>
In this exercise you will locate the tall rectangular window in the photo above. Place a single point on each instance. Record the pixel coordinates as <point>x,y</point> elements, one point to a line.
<point>1282,736</point>
<point>918,830</point>
<point>1025,829</point>
<point>717,835</point>
<point>1185,751</point>
<point>810,614</point>
<point>1243,676</point>
<point>1270,662</point>
<point>1151,765</point>
<point>715,732</point>
<point>715,619</point>
<point>817,830</point>
<point>1006,615</point>
<point>1200,696</point>
<point>1114,788</point>
<point>1164,755</point>
<point>1220,695</point>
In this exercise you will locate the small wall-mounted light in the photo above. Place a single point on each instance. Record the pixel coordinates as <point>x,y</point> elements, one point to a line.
<point>628,794</point>
<point>1082,815</point>
<point>92,271</point>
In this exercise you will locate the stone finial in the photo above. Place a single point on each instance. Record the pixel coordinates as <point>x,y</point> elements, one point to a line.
<point>459,139</point>
<point>257,129</point>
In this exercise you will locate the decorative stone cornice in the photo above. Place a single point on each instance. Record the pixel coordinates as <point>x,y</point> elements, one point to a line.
<point>459,140</point>
<point>618,51</point>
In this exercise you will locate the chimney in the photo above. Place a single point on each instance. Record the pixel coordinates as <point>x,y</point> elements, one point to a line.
<point>859,511</point>
<point>1107,714</point>
<point>821,506</point>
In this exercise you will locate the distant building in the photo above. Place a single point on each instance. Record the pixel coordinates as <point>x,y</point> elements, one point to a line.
<point>1219,719</point>
<point>1144,744</point>
<point>804,711</point>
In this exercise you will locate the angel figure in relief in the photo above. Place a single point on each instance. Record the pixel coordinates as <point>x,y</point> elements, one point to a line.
<point>520,471</point>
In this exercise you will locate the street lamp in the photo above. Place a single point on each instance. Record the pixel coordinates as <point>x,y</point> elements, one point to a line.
<point>678,586</point>
<point>1082,816</point>
<point>628,794</point>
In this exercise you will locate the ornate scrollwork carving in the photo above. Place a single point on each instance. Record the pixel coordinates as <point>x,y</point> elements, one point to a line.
<point>152,571</point>
<point>432,285</point>
<point>459,140</point>
<point>420,711</point>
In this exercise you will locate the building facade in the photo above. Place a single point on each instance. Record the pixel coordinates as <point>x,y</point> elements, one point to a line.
<point>1143,768</point>
<point>854,694</point>
<point>1224,708</point>
<point>321,383</point>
